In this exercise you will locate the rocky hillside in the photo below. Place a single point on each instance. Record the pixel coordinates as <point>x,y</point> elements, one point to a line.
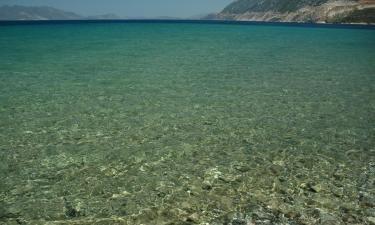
<point>35,13</point>
<point>330,11</point>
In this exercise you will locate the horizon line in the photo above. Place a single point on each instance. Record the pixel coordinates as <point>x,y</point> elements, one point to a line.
<point>192,21</point>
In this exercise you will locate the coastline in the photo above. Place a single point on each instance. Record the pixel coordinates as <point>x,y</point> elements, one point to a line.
<point>192,21</point>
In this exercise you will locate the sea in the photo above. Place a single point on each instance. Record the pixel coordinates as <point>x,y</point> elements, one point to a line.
<point>186,122</point>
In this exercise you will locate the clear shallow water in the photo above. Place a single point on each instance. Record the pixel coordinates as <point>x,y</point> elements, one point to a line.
<point>186,123</point>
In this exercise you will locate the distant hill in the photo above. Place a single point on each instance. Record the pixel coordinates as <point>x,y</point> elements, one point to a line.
<point>45,13</point>
<point>331,11</point>
<point>199,16</point>
<point>109,16</point>
<point>35,13</point>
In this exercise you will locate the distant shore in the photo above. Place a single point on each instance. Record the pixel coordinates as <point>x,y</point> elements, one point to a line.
<point>192,21</point>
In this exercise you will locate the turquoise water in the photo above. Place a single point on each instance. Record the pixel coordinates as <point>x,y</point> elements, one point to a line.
<point>166,123</point>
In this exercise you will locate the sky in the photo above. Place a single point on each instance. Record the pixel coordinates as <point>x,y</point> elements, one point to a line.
<point>130,8</point>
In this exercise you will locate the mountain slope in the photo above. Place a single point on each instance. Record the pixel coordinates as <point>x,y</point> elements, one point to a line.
<point>35,13</point>
<point>243,6</point>
<point>46,13</point>
<point>332,11</point>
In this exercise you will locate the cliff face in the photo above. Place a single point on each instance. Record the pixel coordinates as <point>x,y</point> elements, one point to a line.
<point>331,11</point>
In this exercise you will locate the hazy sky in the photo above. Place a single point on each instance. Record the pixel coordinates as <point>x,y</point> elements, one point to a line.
<point>131,8</point>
